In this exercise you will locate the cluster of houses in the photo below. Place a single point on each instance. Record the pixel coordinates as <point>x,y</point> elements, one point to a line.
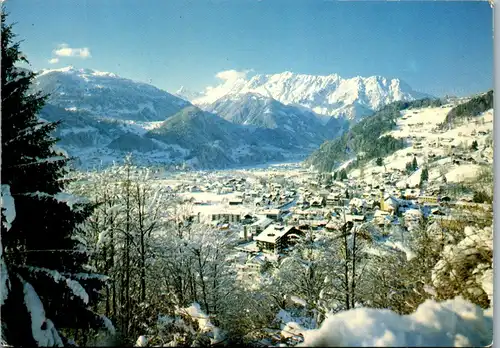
<point>271,217</point>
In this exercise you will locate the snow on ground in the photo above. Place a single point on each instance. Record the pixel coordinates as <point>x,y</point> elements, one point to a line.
<point>425,142</point>
<point>66,131</point>
<point>209,197</point>
<point>298,300</point>
<point>419,121</point>
<point>204,323</point>
<point>452,323</point>
<point>197,314</point>
<point>462,173</point>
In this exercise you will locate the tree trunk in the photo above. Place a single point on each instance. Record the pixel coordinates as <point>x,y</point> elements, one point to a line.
<point>203,285</point>
<point>346,269</point>
<point>141,203</point>
<point>127,255</point>
<point>353,277</point>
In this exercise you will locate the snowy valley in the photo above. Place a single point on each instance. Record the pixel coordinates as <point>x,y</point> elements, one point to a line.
<point>274,254</point>
<point>290,249</point>
<point>302,194</point>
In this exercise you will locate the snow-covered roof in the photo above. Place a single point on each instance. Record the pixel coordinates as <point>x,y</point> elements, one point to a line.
<point>272,233</point>
<point>391,200</point>
<point>262,223</point>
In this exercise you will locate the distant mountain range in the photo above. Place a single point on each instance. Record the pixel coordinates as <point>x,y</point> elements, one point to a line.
<point>267,118</point>
<point>329,95</point>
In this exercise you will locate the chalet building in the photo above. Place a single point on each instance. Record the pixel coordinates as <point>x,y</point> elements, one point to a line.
<point>276,238</point>
<point>388,203</point>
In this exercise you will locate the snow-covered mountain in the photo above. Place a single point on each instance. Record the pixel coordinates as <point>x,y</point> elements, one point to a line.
<point>105,116</point>
<point>329,95</point>
<point>300,124</point>
<point>187,94</point>
<point>267,118</point>
<point>107,95</point>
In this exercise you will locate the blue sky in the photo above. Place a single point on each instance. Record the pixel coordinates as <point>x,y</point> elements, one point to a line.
<point>436,47</point>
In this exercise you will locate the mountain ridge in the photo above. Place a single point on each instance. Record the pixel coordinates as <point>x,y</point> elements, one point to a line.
<point>106,115</point>
<point>107,95</point>
<point>331,95</point>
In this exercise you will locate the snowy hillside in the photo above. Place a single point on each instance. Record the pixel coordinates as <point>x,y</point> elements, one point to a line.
<point>447,153</point>
<point>200,139</point>
<point>214,142</point>
<point>107,95</point>
<point>105,116</point>
<point>329,95</point>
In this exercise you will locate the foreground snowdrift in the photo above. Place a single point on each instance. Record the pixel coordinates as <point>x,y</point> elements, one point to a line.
<point>453,323</point>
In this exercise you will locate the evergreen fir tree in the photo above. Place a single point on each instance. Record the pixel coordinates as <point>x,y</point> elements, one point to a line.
<point>344,174</point>
<point>474,146</point>
<point>47,292</point>
<point>414,163</point>
<point>424,176</point>
<point>409,167</point>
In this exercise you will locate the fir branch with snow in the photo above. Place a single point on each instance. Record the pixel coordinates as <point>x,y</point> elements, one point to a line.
<point>38,220</point>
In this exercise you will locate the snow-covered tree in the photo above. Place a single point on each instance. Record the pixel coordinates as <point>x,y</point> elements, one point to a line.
<point>325,272</point>
<point>466,268</point>
<point>158,256</point>
<point>49,292</point>
<point>121,232</point>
